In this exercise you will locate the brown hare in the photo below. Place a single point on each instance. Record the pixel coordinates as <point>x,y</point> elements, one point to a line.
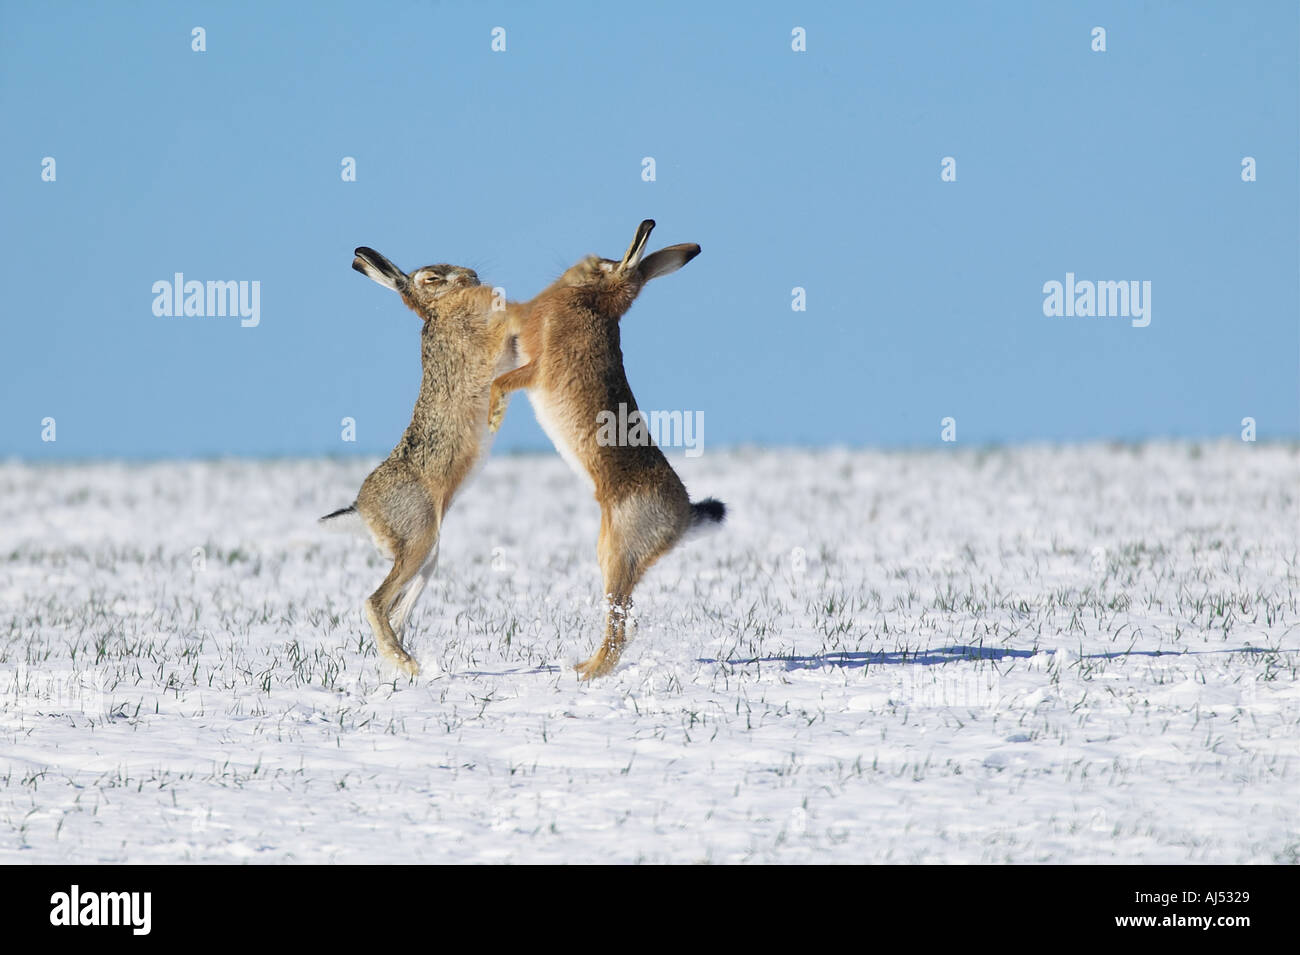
<point>465,343</point>
<point>572,368</point>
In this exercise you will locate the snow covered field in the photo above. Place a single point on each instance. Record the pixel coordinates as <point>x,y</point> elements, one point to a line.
<point>1066,655</point>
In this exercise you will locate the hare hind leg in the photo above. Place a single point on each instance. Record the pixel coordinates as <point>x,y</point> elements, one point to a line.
<point>618,605</point>
<point>409,557</point>
<point>626,549</point>
<point>603,661</point>
<point>406,602</point>
<point>404,521</point>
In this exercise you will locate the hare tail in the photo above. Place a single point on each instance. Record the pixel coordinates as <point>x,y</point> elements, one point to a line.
<point>706,515</point>
<point>708,511</point>
<point>342,519</point>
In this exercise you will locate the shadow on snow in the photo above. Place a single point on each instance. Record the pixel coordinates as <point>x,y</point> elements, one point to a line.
<point>857,659</point>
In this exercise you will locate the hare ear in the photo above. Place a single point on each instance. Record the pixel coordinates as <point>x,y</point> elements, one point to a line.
<point>377,268</point>
<point>632,258</point>
<point>666,260</point>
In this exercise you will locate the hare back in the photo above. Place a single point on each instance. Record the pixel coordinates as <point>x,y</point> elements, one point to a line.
<point>464,342</point>
<point>443,448</point>
<point>464,346</point>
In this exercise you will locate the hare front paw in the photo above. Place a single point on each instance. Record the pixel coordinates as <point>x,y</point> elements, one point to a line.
<point>496,411</point>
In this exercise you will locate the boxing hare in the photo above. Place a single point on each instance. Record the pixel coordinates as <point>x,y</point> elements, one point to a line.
<point>464,344</point>
<point>572,368</point>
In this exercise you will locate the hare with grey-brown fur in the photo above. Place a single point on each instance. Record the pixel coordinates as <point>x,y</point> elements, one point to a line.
<point>465,343</point>
<point>572,368</point>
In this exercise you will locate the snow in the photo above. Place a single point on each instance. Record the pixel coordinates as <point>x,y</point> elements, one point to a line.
<point>1079,654</point>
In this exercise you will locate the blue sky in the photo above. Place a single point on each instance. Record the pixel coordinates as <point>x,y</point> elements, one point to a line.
<point>817,169</point>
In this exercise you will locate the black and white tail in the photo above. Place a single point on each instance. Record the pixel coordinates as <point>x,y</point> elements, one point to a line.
<point>344,519</point>
<point>706,515</point>
<point>708,511</point>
